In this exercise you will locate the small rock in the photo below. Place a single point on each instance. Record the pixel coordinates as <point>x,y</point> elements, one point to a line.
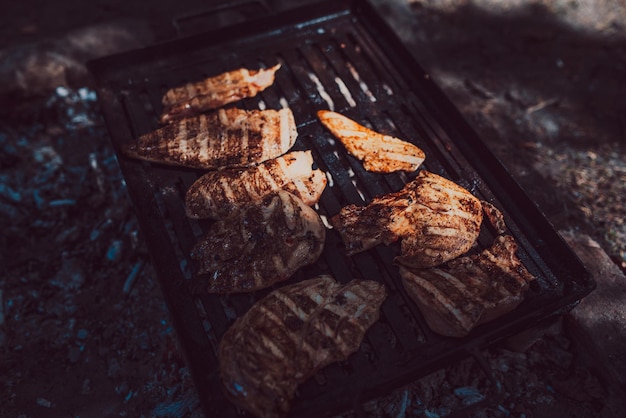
<point>62,91</point>
<point>68,235</point>
<point>71,275</point>
<point>114,253</point>
<point>74,354</point>
<point>44,402</point>
<point>114,368</point>
<point>86,387</point>
<point>10,194</point>
<point>122,388</point>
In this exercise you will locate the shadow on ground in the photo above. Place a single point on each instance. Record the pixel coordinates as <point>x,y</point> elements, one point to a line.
<point>543,85</point>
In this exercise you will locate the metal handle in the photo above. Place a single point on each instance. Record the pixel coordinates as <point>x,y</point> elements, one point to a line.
<point>220,15</point>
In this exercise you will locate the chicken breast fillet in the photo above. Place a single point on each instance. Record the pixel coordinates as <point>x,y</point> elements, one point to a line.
<point>435,220</point>
<point>289,335</point>
<point>262,244</point>
<point>219,193</point>
<point>469,291</point>
<point>379,153</point>
<point>215,92</point>
<point>495,217</point>
<point>224,138</point>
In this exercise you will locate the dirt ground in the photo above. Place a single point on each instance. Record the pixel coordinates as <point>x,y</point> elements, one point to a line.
<point>542,82</point>
<point>84,330</point>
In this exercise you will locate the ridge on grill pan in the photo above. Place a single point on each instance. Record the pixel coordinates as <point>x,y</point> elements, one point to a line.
<point>338,56</point>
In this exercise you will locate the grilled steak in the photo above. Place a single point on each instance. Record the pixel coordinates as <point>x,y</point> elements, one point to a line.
<point>469,291</point>
<point>215,92</point>
<point>218,193</point>
<point>224,138</point>
<point>289,335</point>
<point>435,219</point>
<point>263,243</point>
<point>379,153</point>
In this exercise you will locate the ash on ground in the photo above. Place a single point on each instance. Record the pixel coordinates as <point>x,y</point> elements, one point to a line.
<point>84,330</point>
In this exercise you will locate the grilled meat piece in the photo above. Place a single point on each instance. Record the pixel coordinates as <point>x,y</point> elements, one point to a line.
<point>215,92</point>
<point>495,217</point>
<point>435,219</point>
<point>469,291</point>
<point>289,335</point>
<point>218,193</point>
<point>262,244</point>
<point>225,138</point>
<point>379,153</point>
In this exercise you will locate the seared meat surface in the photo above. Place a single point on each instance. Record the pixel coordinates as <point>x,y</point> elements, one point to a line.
<point>495,217</point>
<point>435,219</point>
<point>262,244</point>
<point>215,92</point>
<point>289,335</point>
<point>469,291</point>
<point>379,153</point>
<point>219,193</point>
<point>224,138</point>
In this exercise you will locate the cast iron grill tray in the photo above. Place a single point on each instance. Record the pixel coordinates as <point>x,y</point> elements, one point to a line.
<point>340,55</point>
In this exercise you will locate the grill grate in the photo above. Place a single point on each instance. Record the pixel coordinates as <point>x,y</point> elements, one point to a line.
<point>340,57</point>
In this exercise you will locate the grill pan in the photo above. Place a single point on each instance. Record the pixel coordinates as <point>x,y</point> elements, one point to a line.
<point>342,56</point>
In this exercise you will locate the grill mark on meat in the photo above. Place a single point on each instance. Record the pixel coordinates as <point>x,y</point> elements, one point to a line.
<point>245,143</point>
<point>471,290</point>
<point>225,187</point>
<point>263,243</point>
<point>302,305</point>
<point>221,139</point>
<point>298,319</point>
<point>380,153</point>
<point>214,92</point>
<point>438,297</point>
<point>435,220</point>
<point>500,261</point>
<point>214,142</point>
<point>269,343</point>
<point>216,194</point>
<point>289,335</point>
<point>284,129</point>
<point>268,175</point>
